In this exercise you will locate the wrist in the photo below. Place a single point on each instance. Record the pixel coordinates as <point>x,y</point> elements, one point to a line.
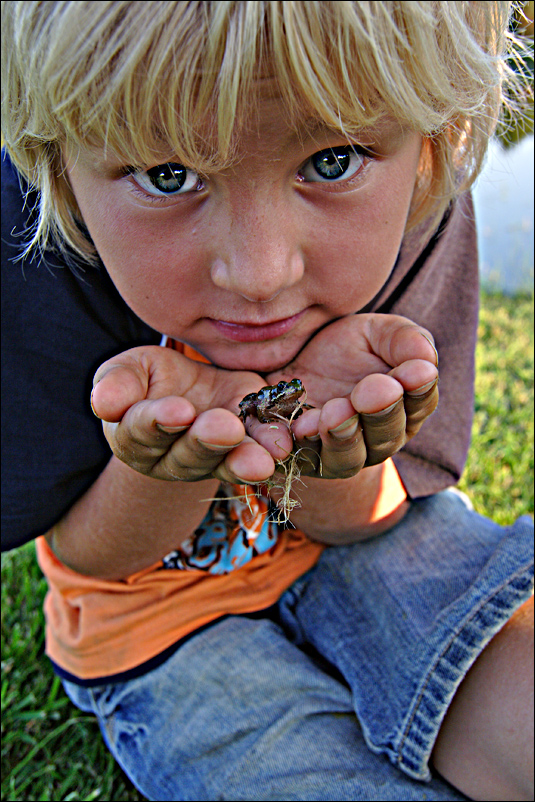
<point>127,521</point>
<point>341,511</point>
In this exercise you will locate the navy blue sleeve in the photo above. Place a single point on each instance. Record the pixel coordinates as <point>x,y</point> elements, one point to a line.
<point>58,325</point>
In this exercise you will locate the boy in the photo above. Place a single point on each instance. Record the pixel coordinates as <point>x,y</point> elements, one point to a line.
<point>242,178</point>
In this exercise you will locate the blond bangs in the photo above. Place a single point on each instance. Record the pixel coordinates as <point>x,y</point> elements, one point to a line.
<point>151,80</point>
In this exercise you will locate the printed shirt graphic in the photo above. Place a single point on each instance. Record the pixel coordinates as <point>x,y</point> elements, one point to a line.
<point>236,528</point>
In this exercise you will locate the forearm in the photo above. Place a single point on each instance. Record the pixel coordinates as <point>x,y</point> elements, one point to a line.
<point>126,521</point>
<point>340,511</point>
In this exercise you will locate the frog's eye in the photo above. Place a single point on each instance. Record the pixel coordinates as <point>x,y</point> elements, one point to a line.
<point>296,384</point>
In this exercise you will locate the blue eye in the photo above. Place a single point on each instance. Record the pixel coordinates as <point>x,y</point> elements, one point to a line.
<point>167,179</point>
<point>333,164</point>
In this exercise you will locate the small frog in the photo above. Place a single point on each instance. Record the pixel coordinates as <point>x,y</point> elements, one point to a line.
<point>277,402</point>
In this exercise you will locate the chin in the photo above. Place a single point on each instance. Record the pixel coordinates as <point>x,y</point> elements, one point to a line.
<point>256,363</point>
<point>262,369</point>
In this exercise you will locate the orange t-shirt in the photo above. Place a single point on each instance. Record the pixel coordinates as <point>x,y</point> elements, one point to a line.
<point>236,562</point>
<point>97,628</point>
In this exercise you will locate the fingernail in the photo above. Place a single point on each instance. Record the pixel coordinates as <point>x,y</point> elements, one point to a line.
<point>91,402</point>
<point>346,429</point>
<point>314,438</point>
<point>171,429</point>
<point>386,410</point>
<point>432,344</point>
<point>217,448</point>
<point>423,389</point>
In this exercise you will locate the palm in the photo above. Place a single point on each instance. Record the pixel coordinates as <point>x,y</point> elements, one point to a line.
<point>153,373</point>
<point>334,361</point>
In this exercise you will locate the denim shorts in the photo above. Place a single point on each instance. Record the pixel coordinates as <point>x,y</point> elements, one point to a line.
<point>339,693</point>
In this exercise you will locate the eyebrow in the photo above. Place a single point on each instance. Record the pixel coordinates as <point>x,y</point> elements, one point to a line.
<point>311,127</point>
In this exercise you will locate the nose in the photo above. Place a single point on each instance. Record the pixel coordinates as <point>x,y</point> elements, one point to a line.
<point>258,253</point>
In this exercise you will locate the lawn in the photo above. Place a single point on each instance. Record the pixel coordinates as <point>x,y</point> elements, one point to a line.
<point>50,751</point>
<point>499,473</point>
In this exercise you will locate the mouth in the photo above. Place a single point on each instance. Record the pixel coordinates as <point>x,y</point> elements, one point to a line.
<point>255,332</point>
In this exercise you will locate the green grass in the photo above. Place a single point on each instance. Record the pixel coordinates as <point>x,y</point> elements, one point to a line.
<point>51,751</point>
<point>498,476</point>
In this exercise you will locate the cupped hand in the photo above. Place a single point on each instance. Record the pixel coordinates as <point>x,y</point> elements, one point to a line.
<point>372,380</point>
<point>171,418</point>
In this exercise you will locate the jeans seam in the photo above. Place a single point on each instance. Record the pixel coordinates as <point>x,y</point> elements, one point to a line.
<point>402,758</point>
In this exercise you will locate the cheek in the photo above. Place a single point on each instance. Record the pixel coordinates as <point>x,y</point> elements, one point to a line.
<point>144,251</point>
<point>354,261</point>
<point>362,252</point>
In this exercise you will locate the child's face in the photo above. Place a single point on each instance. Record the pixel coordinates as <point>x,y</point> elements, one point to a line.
<point>246,265</point>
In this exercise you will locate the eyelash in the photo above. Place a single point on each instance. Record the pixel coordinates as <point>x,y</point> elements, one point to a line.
<point>338,153</point>
<point>131,172</point>
<point>365,155</point>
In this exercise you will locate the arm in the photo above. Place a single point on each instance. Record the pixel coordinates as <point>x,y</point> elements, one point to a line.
<point>170,419</point>
<point>164,417</point>
<point>126,521</point>
<point>347,510</point>
<point>384,373</point>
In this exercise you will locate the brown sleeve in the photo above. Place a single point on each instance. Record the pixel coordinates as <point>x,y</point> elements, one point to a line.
<point>438,288</point>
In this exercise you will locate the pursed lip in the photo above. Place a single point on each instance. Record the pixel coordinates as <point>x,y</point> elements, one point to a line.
<point>255,332</point>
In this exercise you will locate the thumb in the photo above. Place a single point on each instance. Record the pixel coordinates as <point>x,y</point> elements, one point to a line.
<point>116,387</point>
<point>397,339</point>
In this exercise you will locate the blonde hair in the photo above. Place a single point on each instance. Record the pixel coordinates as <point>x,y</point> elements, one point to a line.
<point>146,78</point>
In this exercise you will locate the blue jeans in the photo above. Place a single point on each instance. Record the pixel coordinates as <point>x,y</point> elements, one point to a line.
<point>340,694</point>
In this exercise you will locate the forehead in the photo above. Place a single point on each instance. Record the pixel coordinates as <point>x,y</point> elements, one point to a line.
<point>208,136</point>
<point>269,132</point>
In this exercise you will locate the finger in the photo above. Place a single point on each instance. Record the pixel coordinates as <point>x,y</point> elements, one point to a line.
<point>148,428</point>
<point>308,453</point>
<point>375,393</point>
<point>148,371</point>
<point>419,406</point>
<point>274,436</point>
<point>307,425</point>
<point>215,446</point>
<point>249,463</point>
<point>343,450</point>
<point>420,381</point>
<point>119,388</point>
<point>379,401</point>
<point>397,339</point>
<point>307,448</point>
<point>414,374</point>
<point>198,451</point>
<point>384,432</point>
<point>173,452</point>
